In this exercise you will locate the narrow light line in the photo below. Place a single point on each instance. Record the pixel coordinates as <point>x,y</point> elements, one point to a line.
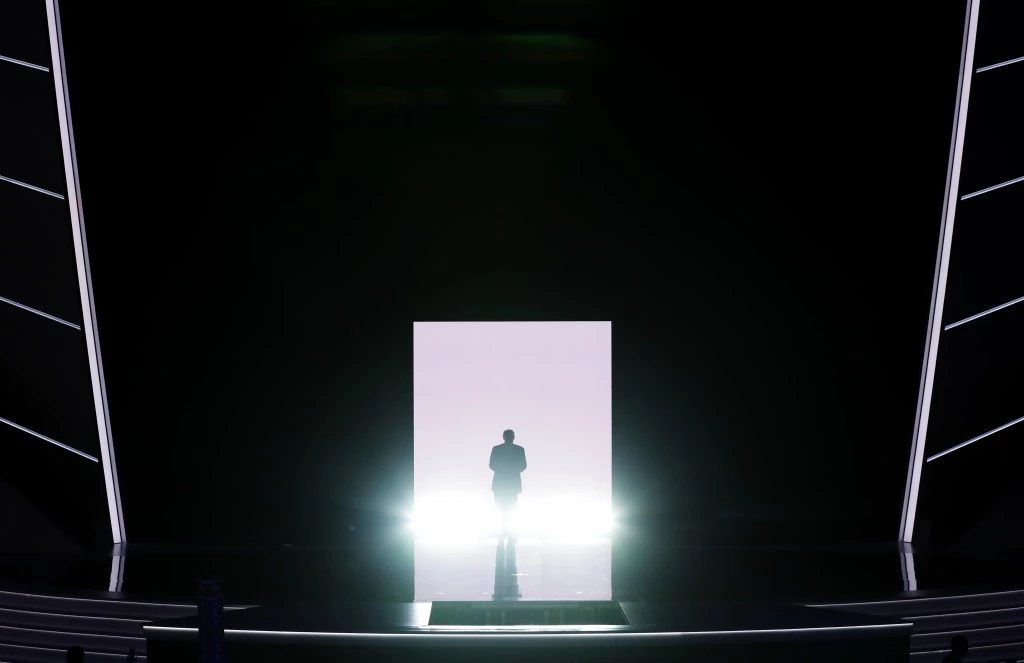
<point>133,638</point>
<point>30,65</point>
<point>984,313</point>
<point>50,440</point>
<point>61,614</point>
<point>992,188</point>
<point>916,599</point>
<point>29,186</point>
<point>1000,64</point>
<point>38,312</point>
<point>974,439</point>
<point>59,597</point>
<point>425,636</point>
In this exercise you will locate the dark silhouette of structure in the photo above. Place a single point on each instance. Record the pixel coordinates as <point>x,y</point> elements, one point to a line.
<point>958,645</point>
<point>75,654</point>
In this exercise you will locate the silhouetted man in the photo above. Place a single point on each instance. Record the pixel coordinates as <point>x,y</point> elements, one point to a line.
<point>508,461</point>
<point>959,650</point>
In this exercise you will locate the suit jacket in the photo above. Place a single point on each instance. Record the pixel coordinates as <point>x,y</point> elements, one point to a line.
<point>507,461</point>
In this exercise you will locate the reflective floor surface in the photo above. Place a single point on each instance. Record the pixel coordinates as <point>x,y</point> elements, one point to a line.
<point>397,568</point>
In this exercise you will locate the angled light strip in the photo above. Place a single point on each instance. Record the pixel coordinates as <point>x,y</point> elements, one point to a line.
<point>999,64</point>
<point>974,439</point>
<point>38,312</point>
<point>89,329</point>
<point>924,395</point>
<point>914,600</point>
<point>29,186</point>
<point>50,440</point>
<point>992,188</point>
<point>28,64</point>
<point>984,313</point>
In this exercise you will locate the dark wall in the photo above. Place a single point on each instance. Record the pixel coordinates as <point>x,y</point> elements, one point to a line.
<point>751,194</point>
<point>44,371</point>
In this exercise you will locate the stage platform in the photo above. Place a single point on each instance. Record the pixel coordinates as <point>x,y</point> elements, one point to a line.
<point>390,593</point>
<point>543,631</point>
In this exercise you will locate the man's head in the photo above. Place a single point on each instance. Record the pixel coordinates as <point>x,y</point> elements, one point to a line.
<point>959,645</point>
<point>509,435</point>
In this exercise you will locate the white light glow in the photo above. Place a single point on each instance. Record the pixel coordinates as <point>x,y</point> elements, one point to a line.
<point>570,517</point>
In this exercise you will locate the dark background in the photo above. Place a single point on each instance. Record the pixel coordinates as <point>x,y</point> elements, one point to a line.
<point>752,193</point>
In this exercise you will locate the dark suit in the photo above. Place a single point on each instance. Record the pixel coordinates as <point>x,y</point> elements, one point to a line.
<point>507,461</point>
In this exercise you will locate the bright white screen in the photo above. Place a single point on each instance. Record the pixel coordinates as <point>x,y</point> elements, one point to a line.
<point>550,382</point>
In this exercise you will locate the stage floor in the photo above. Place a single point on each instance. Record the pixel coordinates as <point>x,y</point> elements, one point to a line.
<point>470,570</point>
<point>397,568</point>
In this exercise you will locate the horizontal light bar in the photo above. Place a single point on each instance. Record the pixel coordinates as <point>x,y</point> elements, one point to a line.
<point>999,64</point>
<point>50,440</point>
<point>24,64</point>
<point>913,600</point>
<point>974,439</point>
<point>992,188</point>
<point>58,597</point>
<point>424,637</point>
<point>4,611</point>
<point>38,312</point>
<point>984,313</point>
<point>29,186</point>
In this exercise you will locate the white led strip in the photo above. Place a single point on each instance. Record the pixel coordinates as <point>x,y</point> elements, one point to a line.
<point>984,313</point>
<point>1000,64</point>
<point>41,313</point>
<point>974,439</point>
<point>48,439</point>
<point>4,58</point>
<point>992,188</point>
<point>92,341</point>
<point>924,397</point>
<point>31,187</point>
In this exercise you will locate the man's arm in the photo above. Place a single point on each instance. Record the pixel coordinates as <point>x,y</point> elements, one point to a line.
<point>490,463</point>
<point>522,460</point>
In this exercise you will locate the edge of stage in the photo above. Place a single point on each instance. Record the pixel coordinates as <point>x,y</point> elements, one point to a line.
<point>652,631</point>
<point>721,603</point>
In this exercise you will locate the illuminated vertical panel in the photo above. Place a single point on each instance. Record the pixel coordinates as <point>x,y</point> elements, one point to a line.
<point>551,383</point>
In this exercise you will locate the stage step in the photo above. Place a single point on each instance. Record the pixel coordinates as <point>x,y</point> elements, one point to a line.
<point>38,628</point>
<point>992,622</point>
<point>526,613</point>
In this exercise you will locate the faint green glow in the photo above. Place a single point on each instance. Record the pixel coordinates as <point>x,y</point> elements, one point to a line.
<point>525,96</point>
<point>544,41</point>
<point>399,46</point>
